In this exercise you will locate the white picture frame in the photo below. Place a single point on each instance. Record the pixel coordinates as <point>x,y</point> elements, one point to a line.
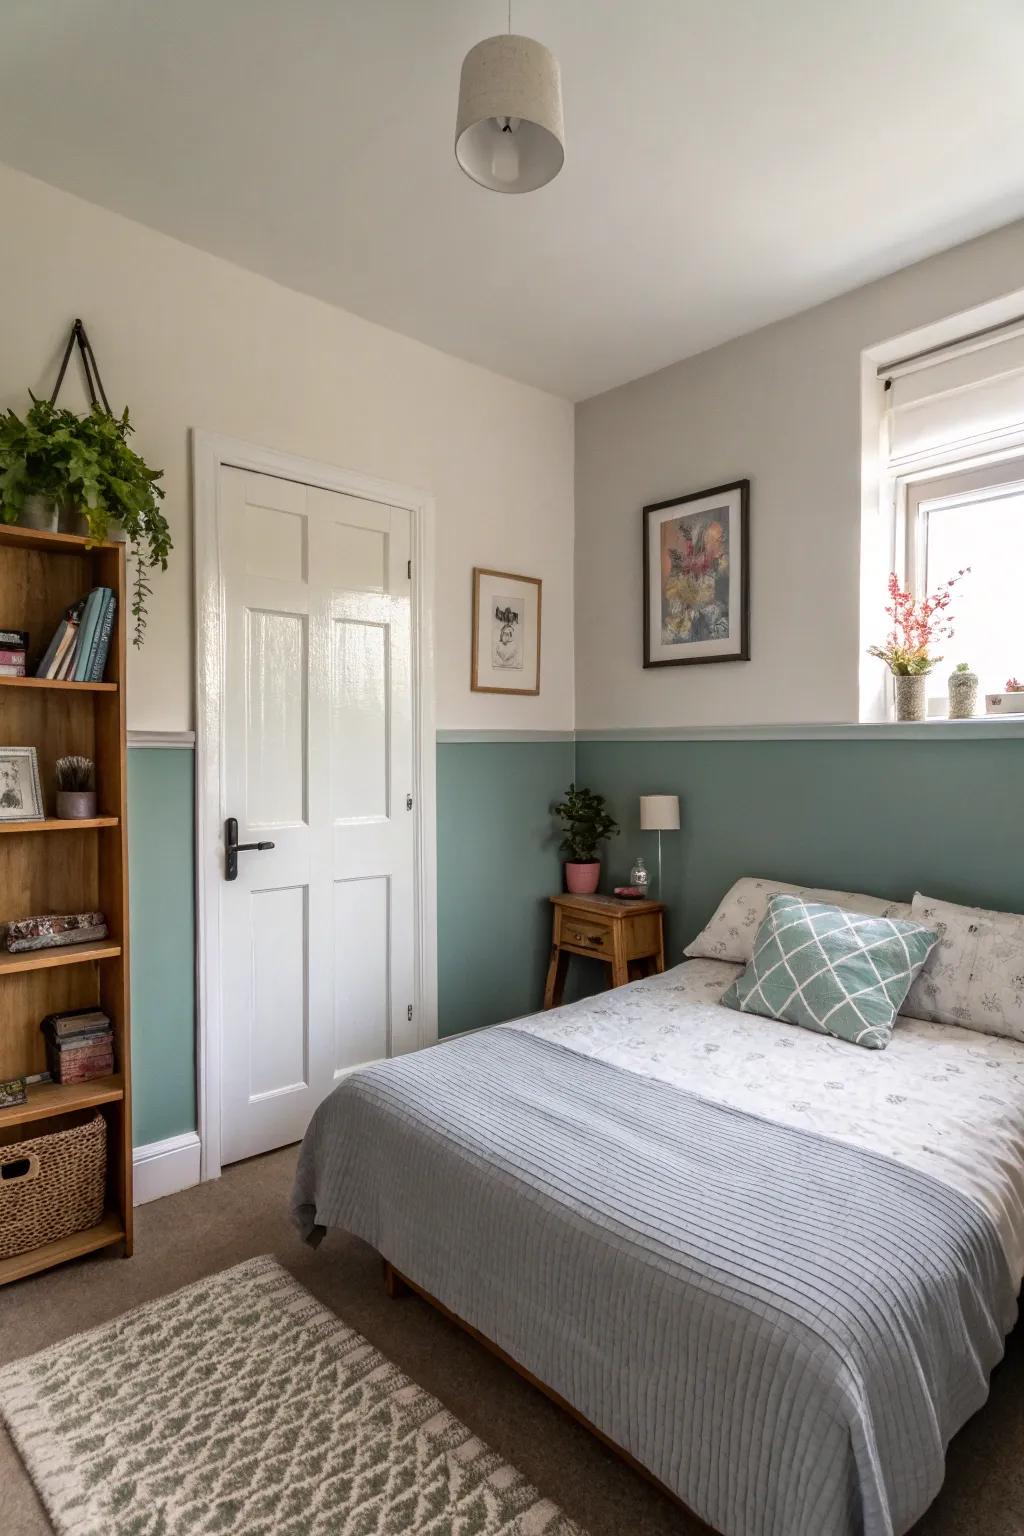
<point>506,632</point>
<point>21,795</point>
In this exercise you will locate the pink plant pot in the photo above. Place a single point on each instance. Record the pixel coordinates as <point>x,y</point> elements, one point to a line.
<point>582,879</point>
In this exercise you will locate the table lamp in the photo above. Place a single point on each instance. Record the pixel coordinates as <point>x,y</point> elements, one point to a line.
<point>659,813</point>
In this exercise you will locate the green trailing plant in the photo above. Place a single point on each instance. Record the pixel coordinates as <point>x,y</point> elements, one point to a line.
<point>86,462</point>
<point>586,824</point>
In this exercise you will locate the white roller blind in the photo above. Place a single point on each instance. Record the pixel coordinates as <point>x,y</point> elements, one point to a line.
<point>963,395</point>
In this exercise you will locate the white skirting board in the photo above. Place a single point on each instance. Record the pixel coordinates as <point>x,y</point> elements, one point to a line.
<point>164,1167</point>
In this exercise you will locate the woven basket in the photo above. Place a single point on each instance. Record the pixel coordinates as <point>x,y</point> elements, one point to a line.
<point>52,1186</point>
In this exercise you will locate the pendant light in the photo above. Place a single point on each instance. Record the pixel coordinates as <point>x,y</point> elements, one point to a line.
<point>509,135</point>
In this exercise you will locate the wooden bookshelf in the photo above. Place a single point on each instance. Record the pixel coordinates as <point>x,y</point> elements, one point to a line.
<point>83,868</point>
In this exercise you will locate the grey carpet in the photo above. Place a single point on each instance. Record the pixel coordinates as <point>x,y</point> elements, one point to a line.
<point>245,1213</point>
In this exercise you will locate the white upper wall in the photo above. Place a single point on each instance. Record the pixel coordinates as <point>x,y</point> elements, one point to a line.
<point>781,406</point>
<point>188,340</point>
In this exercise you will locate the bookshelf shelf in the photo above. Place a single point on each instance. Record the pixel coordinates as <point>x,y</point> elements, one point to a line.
<point>49,959</point>
<point>53,683</point>
<point>46,1099</point>
<point>110,1230</point>
<point>49,543</point>
<point>42,575</point>
<point>58,824</point>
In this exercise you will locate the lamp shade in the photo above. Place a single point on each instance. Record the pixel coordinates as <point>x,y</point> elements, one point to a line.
<point>659,813</point>
<point>509,135</point>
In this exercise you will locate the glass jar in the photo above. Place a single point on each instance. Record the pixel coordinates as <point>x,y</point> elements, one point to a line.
<point>639,876</point>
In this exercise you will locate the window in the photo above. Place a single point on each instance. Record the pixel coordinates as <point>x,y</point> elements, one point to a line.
<point>972,518</point>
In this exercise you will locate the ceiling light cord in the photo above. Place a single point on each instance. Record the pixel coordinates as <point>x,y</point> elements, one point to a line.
<point>510,18</point>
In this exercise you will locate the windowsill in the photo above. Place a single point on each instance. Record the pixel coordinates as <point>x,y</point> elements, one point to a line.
<point>981,727</point>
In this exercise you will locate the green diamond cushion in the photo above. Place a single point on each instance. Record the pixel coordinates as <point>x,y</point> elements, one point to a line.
<point>840,973</point>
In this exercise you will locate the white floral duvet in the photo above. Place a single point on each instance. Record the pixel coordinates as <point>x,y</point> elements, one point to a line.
<point>945,1100</point>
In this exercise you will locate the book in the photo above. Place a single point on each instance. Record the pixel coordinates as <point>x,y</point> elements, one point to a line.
<point>63,637</point>
<point>12,671</point>
<point>17,639</point>
<point>106,598</point>
<point>59,1026</point>
<point>67,665</point>
<point>82,1042</point>
<point>13,656</point>
<point>80,1066</point>
<point>86,634</point>
<point>103,641</point>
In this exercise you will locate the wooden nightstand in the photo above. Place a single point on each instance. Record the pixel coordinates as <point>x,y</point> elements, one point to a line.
<point>621,933</point>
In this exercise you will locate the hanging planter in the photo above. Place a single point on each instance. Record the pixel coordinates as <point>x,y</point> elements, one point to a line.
<point>80,472</point>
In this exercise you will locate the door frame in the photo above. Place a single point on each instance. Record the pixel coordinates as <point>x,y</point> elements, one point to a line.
<point>210,454</point>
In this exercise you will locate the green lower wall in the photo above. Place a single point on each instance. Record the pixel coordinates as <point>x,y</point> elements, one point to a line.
<point>945,817</point>
<point>160,868</point>
<point>497,863</point>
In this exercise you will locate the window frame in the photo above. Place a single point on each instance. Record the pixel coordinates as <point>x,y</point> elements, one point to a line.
<point>927,490</point>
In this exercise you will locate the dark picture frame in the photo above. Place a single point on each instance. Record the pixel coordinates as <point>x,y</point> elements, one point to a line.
<point>732,568</point>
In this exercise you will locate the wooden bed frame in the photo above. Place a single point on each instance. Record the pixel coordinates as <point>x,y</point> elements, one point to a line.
<point>397,1285</point>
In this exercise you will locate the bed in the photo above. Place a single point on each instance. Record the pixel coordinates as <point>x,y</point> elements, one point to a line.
<point>774,1269</point>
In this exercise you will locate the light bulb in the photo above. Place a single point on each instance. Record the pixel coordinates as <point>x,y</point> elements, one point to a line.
<point>505,159</point>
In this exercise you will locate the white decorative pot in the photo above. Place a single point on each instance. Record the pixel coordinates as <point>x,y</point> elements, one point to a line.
<point>1004,703</point>
<point>963,695</point>
<point>911,695</point>
<point>40,513</point>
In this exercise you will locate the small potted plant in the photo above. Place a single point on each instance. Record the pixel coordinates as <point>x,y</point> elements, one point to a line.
<point>907,652</point>
<point>963,692</point>
<point>587,825</point>
<point>76,788</point>
<point>1009,702</point>
<point>56,465</point>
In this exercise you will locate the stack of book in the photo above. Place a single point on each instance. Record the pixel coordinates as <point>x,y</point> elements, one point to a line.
<point>79,1045</point>
<point>78,651</point>
<point>13,645</point>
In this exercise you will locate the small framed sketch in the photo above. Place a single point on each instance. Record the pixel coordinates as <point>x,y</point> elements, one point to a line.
<point>21,798</point>
<point>697,577</point>
<point>506,633</point>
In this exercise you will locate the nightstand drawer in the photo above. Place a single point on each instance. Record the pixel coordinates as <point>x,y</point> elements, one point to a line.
<point>585,935</point>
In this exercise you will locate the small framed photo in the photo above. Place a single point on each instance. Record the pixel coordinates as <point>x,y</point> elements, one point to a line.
<point>697,577</point>
<point>21,798</point>
<point>506,633</point>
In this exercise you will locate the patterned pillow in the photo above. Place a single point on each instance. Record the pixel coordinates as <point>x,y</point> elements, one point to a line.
<point>840,973</point>
<point>729,934</point>
<point>975,974</point>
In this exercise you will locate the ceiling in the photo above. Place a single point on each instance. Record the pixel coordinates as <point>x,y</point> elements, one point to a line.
<point>728,162</point>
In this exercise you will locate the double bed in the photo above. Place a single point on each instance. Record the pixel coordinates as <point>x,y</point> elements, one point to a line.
<point>776,1270</point>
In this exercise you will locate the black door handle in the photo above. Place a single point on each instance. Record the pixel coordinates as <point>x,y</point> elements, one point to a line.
<point>232,848</point>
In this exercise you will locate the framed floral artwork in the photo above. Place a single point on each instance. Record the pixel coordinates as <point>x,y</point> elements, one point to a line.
<point>697,577</point>
<point>506,633</point>
<point>21,797</point>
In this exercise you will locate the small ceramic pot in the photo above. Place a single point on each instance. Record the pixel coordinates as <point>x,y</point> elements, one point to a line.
<point>963,695</point>
<point>40,513</point>
<point>76,804</point>
<point>911,695</point>
<point>582,879</point>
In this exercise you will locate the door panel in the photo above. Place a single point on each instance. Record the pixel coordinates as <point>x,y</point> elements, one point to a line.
<point>278,1058</point>
<point>318,932</point>
<point>361,1002</point>
<point>275,722</point>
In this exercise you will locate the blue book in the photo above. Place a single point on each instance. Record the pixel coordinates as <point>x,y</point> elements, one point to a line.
<point>86,634</point>
<point>89,658</point>
<point>103,642</point>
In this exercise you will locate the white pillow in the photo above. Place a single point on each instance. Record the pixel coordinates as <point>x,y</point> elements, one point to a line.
<point>730,933</point>
<point>974,976</point>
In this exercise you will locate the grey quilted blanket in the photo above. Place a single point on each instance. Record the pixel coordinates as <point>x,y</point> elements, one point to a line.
<point>786,1330</point>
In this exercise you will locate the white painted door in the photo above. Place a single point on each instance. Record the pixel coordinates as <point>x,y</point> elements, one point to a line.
<point>318,932</point>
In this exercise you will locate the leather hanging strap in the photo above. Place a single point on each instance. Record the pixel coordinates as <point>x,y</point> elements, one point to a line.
<point>93,382</point>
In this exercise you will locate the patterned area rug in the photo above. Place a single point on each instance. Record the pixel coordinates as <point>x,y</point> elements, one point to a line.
<point>240,1404</point>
